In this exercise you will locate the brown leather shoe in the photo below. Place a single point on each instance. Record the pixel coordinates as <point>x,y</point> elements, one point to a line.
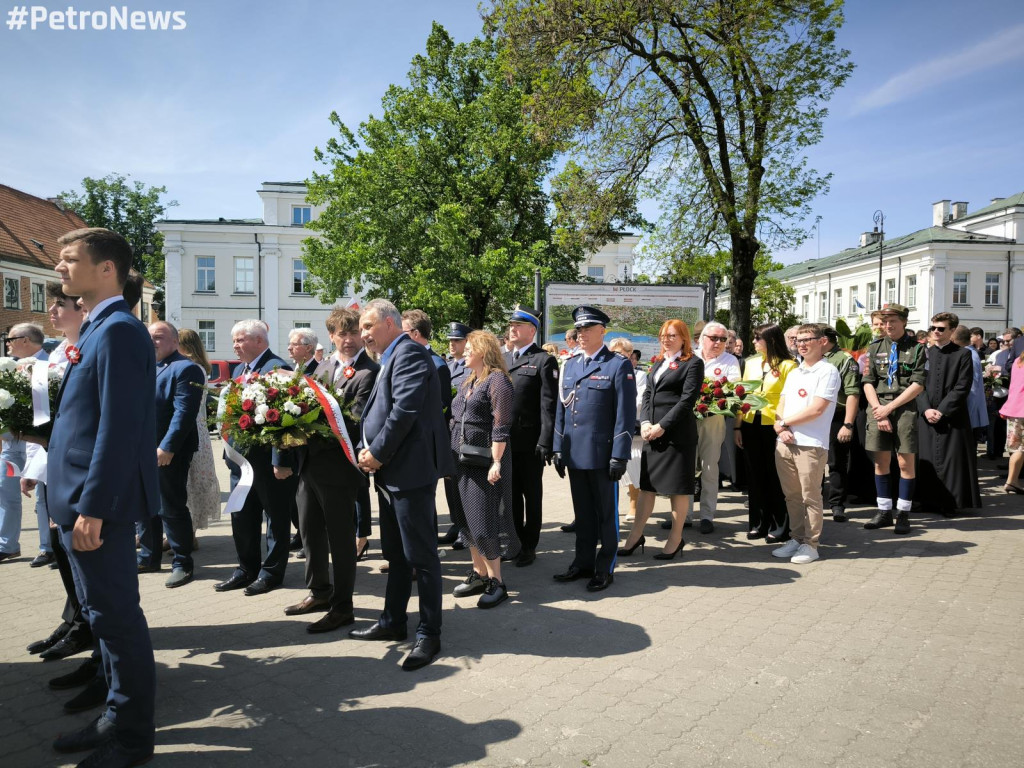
<point>332,620</point>
<point>309,604</point>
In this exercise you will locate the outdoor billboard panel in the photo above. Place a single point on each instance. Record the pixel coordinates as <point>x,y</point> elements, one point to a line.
<point>635,311</point>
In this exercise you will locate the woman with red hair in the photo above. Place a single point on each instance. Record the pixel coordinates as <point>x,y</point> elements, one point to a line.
<point>669,430</point>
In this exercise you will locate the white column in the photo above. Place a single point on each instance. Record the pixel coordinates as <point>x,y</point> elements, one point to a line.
<point>173,283</point>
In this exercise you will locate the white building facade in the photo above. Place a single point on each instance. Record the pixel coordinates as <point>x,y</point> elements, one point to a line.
<point>220,271</point>
<point>968,263</point>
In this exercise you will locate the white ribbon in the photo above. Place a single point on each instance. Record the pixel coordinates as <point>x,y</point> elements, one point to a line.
<point>237,498</point>
<point>40,392</point>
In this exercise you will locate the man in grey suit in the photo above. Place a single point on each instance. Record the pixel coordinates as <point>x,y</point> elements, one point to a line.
<point>405,444</point>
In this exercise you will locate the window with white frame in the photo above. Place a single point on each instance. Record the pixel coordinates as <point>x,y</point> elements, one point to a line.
<point>207,334</point>
<point>805,307</point>
<point>38,297</point>
<point>302,325</point>
<point>300,277</point>
<point>245,274</point>
<point>911,291</point>
<point>959,287</point>
<point>890,291</point>
<point>822,305</point>
<point>595,273</point>
<point>206,274</point>
<point>144,312</point>
<point>854,291</point>
<point>992,282</point>
<point>12,293</point>
<point>837,308</point>
<point>300,215</point>
<point>872,296</point>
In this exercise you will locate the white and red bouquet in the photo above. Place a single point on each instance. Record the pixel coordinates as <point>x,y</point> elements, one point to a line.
<point>277,409</point>
<point>17,412</point>
<point>727,398</point>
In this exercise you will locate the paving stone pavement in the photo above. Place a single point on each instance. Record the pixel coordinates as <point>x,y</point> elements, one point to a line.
<point>889,651</point>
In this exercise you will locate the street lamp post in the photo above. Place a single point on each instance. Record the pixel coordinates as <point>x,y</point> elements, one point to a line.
<point>879,219</point>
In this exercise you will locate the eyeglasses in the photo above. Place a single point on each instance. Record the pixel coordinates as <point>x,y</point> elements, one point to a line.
<point>807,340</point>
<point>939,328</point>
<point>717,339</point>
<point>669,336</point>
<point>16,338</point>
<point>1004,342</point>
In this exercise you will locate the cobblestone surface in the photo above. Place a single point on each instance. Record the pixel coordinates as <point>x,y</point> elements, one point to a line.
<point>889,651</point>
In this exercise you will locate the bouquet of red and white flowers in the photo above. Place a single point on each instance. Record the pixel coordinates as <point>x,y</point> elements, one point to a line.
<point>16,409</point>
<point>727,398</point>
<point>277,409</point>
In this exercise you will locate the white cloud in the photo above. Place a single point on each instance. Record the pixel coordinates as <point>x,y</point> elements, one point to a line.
<point>996,50</point>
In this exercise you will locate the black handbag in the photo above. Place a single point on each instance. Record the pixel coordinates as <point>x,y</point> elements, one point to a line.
<point>473,455</point>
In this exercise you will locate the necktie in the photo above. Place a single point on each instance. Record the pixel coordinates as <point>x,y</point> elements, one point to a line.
<point>893,357</point>
<point>515,355</point>
<point>586,361</point>
<point>85,325</point>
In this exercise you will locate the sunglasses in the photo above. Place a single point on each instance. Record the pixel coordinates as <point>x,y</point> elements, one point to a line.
<point>939,328</point>
<point>16,338</point>
<point>717,338</point>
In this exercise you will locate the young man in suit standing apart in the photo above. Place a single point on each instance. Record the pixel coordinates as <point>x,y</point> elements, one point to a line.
<point>102,479</point>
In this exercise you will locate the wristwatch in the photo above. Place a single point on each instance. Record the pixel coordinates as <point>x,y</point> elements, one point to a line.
<point>782,423</point>
<point>848,425</point>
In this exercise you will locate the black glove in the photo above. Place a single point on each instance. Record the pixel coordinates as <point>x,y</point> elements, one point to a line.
<point>616,469</point>
<point>544,453</point>
<point>556,459</point>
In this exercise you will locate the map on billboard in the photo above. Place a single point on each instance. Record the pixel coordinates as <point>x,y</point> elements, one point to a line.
<point>635,311</point>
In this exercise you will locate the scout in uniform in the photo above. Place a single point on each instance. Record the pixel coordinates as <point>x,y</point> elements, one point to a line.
<point>894,377</point>
<point>594,422</point>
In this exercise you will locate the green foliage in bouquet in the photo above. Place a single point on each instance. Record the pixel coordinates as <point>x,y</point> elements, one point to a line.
<point>728,398</point>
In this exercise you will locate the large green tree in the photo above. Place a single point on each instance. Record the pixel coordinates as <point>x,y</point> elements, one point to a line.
<point>439,203</point>
<point>129,208</point>
<point>707,105</point>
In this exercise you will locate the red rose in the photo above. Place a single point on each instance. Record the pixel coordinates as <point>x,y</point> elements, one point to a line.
<point>723,381</point>
<point>745,407</point>
<point>247,405</point>
<point>718,392</point>
<point>293,390</point>
<point>702,408</point>
<point>304,408</point>
<point>704,387</point>
<point>740,390</point>
<point>273,391</point>
<point>722,403</point>
<point>244,421</point>
<point>273,415</point>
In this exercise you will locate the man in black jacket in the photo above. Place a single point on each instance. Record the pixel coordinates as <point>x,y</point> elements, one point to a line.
<point>535,378</point>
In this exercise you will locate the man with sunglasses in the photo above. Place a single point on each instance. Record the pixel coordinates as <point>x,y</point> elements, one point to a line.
<point>893,378</point>
<point>948,460</point>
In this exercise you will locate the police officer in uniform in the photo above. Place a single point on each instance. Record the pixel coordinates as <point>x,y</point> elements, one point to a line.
<point>535,379</point>
<point>594,421</point>
<point>894,377</point>
<point>457,334</point>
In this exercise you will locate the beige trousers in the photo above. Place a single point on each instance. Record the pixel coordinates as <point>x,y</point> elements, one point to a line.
<point>801,470</point>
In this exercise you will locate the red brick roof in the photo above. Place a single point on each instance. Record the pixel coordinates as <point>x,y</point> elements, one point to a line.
<point>24,218</point>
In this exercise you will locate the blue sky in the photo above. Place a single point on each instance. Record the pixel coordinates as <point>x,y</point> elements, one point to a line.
<point>934,109</point>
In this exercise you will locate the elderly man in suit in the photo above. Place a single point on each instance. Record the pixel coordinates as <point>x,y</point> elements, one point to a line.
<point>102,479</point>
<point>405,444</point>
<point>273,487</point>
<point>534,376</point>
<point>302,345</point>
<point>330,484</point>
<point>179,393</point>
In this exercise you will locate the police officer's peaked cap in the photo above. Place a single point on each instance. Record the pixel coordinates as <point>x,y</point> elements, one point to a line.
<point>583,316</point>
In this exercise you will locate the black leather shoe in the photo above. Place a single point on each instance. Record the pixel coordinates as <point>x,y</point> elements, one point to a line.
<point>112,754</point>
<point>458,545</point>
<point>56,636</point>
<point>573,574</point>
<point>94,694</point>
<point>756,534</point>
<point>331,621</point>
<point>526,557</point>
<point>449,538</point>
<point>69,645</point>
<point>706,526</point>
<point>570,528</point>
<point>83,675</point>
<point>666,525</point>
<point>149,567</point>
<point>599,582</point>
<point>4,556</point>
<point>43,558</point>
<point>376,632</point>
<point>259,587</point>
<point>773,539</point>
<point>238,581</point>
<point>839,514</point>
<point>880,520</point>
<point>296,543</point>
<point>424,652</point>
<point>308,604</point>
<point>92,736</point>
<point>902,523</point>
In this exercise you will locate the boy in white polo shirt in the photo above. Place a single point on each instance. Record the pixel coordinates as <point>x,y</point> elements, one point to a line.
<point>801,455</point>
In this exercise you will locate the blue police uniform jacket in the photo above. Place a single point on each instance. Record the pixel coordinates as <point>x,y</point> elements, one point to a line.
<point>102,451</point>
<point>596,412</point>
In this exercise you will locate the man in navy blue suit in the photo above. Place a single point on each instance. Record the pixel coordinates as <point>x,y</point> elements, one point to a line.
<point>273,486</point>
<point>179,393</point>
<point>101,480</point>
<point>594,424</point>
<point>405,443</point>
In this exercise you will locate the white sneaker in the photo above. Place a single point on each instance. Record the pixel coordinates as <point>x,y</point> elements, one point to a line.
<point>805,554</point>
<point>788,549</point>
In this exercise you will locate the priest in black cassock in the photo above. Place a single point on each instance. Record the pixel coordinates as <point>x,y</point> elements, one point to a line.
<point>947,459</point>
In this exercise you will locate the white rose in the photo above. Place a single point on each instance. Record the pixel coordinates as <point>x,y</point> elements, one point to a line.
<point>8,364</point>
<point>260,419</point>
<point>6,399</point>
<point>261,410</point>
<point>292,408</point>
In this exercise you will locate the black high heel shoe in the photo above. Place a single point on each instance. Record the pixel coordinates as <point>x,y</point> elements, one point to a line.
<point>627,551</point>
<point>361,553</point>
<point>670,555</point>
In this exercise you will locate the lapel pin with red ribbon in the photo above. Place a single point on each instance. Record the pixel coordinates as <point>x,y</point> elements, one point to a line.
<point>349,372</point>
<point>73,354</point>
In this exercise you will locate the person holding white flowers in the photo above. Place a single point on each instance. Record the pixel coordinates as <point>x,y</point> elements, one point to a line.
<point>273,484</point>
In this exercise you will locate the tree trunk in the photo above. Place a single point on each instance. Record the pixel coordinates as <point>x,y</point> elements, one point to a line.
<point>741,289</point>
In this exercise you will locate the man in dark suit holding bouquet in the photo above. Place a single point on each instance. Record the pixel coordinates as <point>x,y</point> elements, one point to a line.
<point>102,479</point>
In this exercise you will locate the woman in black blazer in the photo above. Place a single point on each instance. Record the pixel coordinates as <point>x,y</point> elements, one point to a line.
<point>669,430</point>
